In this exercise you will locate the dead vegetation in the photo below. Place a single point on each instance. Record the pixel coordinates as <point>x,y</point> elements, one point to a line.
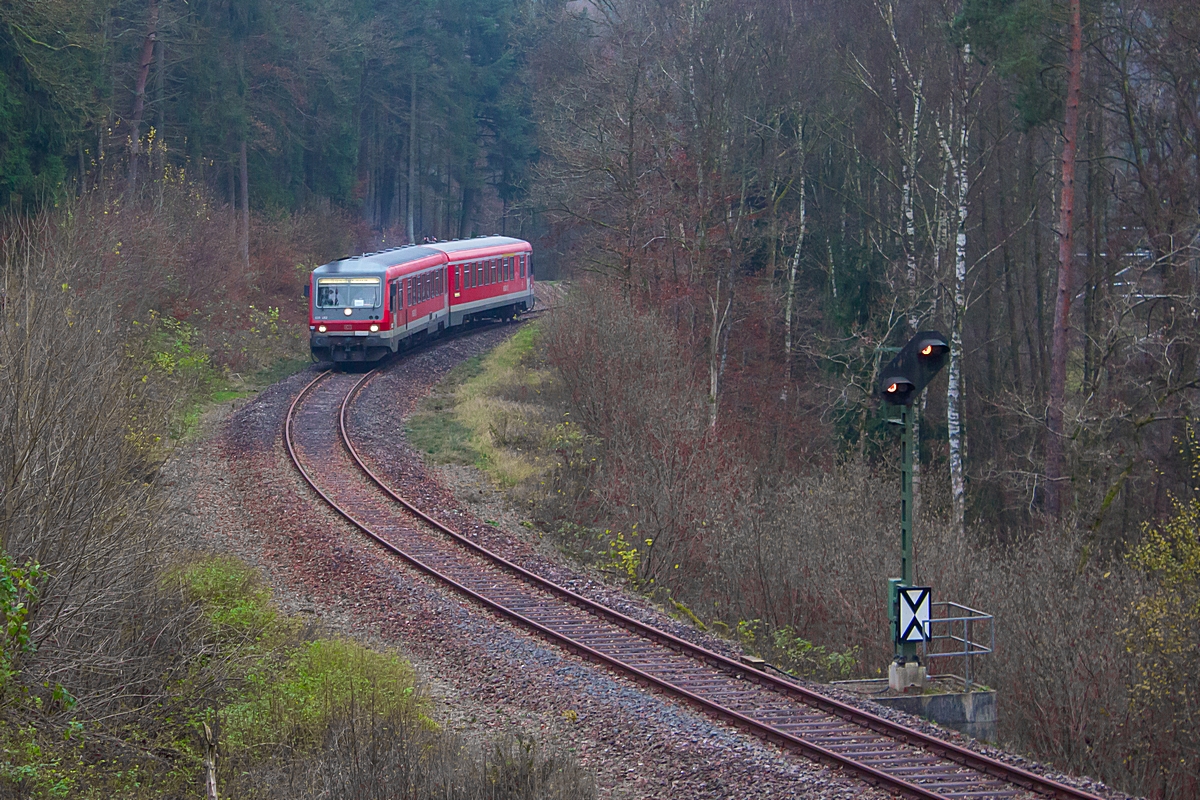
<point>794,567</point>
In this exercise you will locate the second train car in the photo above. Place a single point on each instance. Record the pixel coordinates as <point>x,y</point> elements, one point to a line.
<point>362,308</point>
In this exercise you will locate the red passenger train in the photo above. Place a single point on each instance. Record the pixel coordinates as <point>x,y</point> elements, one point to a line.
<point>365,307</point>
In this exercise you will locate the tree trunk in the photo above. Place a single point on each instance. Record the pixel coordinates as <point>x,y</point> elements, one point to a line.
<point>245,243</point>
<point>464,213</point>
<point>954,387</point>
<point>1060,348</point>
<point>908,214</point>
<point>790,299</point>
<point>954,428</point>
<point>720,320</point>
<point>81,186</point>
<point>139,95</point>
<point>394,211</point>
<point>233,215</point>
<point>412,160</point>
<point>158,157</point>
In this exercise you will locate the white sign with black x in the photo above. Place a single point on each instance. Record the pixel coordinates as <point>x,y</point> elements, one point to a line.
<point>914,613</point>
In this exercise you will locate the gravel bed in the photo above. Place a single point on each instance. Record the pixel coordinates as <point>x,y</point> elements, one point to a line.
<point>234,490</point>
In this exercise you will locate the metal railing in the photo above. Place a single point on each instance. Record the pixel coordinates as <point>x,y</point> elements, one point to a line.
<point>958,627</point>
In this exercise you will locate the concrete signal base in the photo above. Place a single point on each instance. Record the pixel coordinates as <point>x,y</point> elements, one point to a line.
<point>942,701</point>
<point>910,675</point>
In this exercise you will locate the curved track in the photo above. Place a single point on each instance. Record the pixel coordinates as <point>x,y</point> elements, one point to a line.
<point>883,753</point>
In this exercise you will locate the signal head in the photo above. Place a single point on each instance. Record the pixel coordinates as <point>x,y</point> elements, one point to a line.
<point>897,389</point>
<point>913,367</point>
<point>931,347</point>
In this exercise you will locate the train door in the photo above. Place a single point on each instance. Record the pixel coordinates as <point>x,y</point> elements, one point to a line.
<point>401,310</point>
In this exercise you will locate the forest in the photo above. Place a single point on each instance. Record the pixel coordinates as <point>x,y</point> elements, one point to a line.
<point>753,201</point>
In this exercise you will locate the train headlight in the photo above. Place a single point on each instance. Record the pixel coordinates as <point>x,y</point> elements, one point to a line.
<point>321,328</point>
<point>374,329</point>
<point>348,312</point>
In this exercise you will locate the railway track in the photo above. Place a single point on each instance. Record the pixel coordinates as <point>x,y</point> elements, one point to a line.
<point>881,752</point>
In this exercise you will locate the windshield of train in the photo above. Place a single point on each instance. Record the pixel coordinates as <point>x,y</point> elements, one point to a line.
<point>348,293</point>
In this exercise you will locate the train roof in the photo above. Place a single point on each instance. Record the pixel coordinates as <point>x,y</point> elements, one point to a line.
<point>478,243</point>
<point>373,262</point>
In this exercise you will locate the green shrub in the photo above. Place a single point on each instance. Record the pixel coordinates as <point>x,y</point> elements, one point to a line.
<point>233,597</point>
<point>294,704</point>
<point>18,589</point>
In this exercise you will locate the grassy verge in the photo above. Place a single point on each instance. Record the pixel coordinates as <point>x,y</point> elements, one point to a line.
<point>487,413</point>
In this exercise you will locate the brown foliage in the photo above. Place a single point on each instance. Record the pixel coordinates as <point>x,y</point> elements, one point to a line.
<point>402,755</point>
<point>811,552</point>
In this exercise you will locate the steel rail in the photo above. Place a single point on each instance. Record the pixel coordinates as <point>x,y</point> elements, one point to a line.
<point>741,671</point>
<point>946,750</point>
<point>780,737</point>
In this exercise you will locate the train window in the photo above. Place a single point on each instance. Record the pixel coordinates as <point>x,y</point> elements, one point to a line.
<point>478,273</point>
<point>349,293</point>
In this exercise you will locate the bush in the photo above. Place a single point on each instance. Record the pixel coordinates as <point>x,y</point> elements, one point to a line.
<point>1163,637</point>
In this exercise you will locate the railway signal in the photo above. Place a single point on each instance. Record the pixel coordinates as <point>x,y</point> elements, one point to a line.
<point>900,383</point>
<point>902,380</point>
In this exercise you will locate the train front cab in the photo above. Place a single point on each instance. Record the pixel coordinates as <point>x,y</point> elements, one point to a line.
<point>347,317</point>
<point>364,308</point>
